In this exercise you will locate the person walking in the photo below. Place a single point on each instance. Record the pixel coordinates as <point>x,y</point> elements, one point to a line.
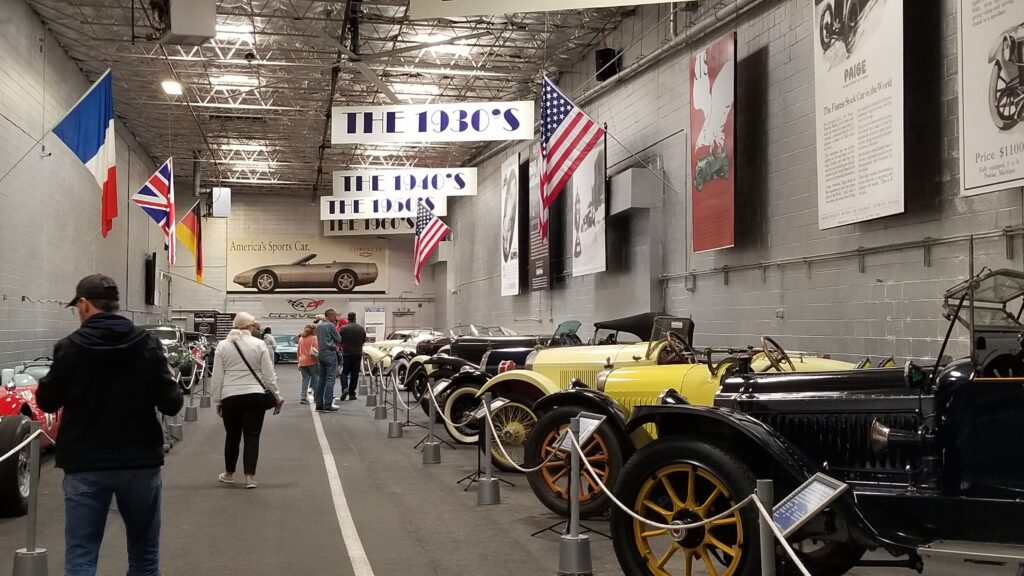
<point>241,378</point>
<point>271,343</point>
<point>108,376</point>
<point>327,339</point>
<point>353,336</point>
<point>309,366</point>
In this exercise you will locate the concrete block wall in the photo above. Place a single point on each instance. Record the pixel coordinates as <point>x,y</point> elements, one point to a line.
<point>891,308</point>
<point>50,205</point>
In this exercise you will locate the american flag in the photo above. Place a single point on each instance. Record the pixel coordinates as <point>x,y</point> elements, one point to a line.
<point>567,135</point>
<point>156,198</point>
<point>429,233</point>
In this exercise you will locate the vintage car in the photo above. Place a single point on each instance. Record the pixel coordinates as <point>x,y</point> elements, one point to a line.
<point>1005,91</point>
<point>931,456</point>
<point>304,273</point>
<point>181,356</point>
<point>17,409</point>
<point>287,349</point>
<point>441,343</point>
<point>400,348</point>
<point>838,21</point>
<point>710,167</point>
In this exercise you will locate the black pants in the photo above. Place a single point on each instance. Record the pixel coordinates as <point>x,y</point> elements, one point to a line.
<point>243,418</point>
<point>350,364</point>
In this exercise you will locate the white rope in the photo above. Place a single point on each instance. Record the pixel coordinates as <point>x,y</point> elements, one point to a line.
<point>437,408</point>
<point>508,459</point>
<point>24,443</point>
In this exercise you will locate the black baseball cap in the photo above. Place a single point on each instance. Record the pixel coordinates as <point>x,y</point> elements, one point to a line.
<point>95,287</point>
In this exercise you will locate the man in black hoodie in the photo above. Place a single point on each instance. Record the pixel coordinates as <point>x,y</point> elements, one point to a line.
<point>108,376</point>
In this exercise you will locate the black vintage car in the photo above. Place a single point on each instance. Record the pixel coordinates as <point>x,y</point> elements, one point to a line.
<point>932,455</point>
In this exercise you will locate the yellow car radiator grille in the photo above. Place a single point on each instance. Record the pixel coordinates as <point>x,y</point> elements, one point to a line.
<point>586,375</point>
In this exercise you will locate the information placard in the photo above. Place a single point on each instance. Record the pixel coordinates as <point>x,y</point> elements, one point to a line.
<point>389,183</point>
<point>589,423</point>
<point>454,122</point>
<point>205,323</point>
<point>374,320</point>
<point>810,498</point>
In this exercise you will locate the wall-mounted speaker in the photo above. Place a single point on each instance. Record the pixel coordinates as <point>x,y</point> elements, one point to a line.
<point>150,279</point>
<point>608,63</point>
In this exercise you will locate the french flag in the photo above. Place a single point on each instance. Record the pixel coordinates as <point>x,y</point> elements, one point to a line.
<point>88,130</point>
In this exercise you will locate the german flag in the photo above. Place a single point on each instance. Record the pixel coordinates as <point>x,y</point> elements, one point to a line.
<point>190,233</point>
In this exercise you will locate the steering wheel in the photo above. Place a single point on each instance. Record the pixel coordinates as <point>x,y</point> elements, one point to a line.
<point>775,354</point>
<point>678,349</point>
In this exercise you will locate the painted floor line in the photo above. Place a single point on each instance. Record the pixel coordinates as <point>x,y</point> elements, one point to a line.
<point>353,545</point>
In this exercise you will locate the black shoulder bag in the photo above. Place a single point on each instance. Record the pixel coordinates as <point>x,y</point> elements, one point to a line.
<point>269,398</point>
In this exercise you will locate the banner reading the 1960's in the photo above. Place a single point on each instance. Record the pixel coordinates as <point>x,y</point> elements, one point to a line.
<point>713,144</point>
<point>510,226</point>
<point>858,89</point>
<point>991,96</point>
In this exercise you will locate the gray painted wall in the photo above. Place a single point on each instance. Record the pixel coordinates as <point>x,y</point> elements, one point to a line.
<point>50,206</point>
<point>891,308</point>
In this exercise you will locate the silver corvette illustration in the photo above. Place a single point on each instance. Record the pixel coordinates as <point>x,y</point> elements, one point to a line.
<point>304,273</point>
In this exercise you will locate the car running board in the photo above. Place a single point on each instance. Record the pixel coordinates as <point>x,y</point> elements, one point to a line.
<point>975,551</point>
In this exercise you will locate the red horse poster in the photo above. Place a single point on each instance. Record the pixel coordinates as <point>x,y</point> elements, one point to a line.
<point>712,144</point>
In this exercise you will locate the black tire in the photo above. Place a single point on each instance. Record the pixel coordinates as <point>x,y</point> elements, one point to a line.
<point>14,472</point>
<point>400,368</point>
<point>826,25</point>
<point>265,281</point>
<point>1000,92</point>
<point>828,559</point>
<point>523,406</point>
<point>345,281</point>
<point>721,480</point>
<point>551,489</point>
<point>462,401</point>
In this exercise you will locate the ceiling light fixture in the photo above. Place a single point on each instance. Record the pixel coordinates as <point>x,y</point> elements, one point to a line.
<point>241,32</point>
<point>171,87</point>
<point>233,80</point>
<point>245,147</point>
<point>457,49</point>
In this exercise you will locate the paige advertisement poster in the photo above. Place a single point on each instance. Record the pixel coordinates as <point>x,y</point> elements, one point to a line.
<point>311,265</point>
<point>712,144</point>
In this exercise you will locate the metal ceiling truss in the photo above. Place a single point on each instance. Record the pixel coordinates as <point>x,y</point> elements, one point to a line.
<point>254,99</point>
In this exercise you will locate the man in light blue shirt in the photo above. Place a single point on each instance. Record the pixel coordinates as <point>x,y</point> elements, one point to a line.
<point>327,338</point>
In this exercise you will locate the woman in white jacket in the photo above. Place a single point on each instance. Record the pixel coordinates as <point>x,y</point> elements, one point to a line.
<point>239,395</point>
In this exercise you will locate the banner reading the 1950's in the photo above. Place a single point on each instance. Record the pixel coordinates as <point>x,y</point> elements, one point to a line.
<point>712,144</point>
<point>991,95</point>
<point>510,226</point>
<point>858,89</point>
<point>310,265</point>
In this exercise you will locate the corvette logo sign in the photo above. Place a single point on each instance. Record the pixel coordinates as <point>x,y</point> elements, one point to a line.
<point>306,304</point>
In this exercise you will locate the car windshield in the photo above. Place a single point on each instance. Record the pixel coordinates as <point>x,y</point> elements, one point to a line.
<point>567,328</point>
<point>36,372</point>
<point>399,335</point>
<point>993,291</point>
<point>165,334</point>
<point>304,260</point>
<point>285,339</point>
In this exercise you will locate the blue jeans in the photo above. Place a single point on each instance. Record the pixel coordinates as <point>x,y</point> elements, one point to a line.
<point>310,376</point>
<point>87,497</point>
<point>323,392</point>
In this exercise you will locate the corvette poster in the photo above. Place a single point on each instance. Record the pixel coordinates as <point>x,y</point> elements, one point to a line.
<point>858,95</point>
<point>307,265</point>
<point>712,144</point>
<point>991,97</point>
<point>588,214</point>
<point>509,228</point>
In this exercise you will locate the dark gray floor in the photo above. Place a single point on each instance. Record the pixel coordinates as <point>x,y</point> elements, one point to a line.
<point>411,518</point>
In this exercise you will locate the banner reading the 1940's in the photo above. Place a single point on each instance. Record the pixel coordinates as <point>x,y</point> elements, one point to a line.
<point>991,95</point>
<point>713,144</point>
<point>510,226</point>
<point>858,89</point>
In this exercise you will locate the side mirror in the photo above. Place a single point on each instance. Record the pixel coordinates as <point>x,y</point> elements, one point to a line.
<point>7,376</point>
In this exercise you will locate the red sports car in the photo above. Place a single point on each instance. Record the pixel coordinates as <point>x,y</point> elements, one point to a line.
<point>18,409</point>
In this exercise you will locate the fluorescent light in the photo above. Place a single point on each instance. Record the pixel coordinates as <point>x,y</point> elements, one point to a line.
<point>171,87</point>
<point>233,80</point>
<point>241,32</point>
<point>245,147</point>
<point>421,89</point>
<point>379,153</point>
<point>449,48</point>
<point>444,71</point>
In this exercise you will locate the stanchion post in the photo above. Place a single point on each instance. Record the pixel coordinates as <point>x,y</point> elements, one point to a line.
<point>394,427</point>
<point>371,394</point>
<point>30,560</point>
<point>766,494</point>
<point>431,448</point>
<point>574,549</point>
<point>488,490</point>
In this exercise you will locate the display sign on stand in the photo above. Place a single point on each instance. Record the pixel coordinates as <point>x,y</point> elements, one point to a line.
<point>375,323</point>
<point>223,324</point>
<point>450,122</point>
<point>589,424</point>
<point>811,497</point>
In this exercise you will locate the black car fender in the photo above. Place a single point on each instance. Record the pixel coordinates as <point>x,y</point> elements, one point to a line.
<point>470,377</point>
<point>450,363</point>
<point>588,400</point>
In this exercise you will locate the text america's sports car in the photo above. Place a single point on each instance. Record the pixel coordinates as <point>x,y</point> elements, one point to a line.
<point>303,273</point>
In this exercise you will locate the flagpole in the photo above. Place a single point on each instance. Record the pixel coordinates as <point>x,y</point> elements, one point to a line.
<point>640,160</point>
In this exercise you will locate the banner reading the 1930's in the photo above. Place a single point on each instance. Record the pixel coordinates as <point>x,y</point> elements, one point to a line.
<point>510,226</point>
<point>712,144</point>
<point>450,122</point>
<point>991,97</point>
<point>858,89</point>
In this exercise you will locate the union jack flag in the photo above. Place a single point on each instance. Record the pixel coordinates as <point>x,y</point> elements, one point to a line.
<point>429,233</point>
<point>567,135</point>
<point>156,198</point>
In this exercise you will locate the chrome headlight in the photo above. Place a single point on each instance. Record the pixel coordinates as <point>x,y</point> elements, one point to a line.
<point>529,360</point>
<point>602,379</point>
<point>483,360</point>
<point>173,357</point>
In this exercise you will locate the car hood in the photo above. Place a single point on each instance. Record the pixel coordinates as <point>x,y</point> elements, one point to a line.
<point>599,355</point>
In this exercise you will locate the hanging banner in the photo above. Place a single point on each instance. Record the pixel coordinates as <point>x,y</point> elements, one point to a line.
<point>375,323</point>
<point>713,144</point>
<point>455,122</point>
<point>366,207</point>
<point>443,8</point>
<point>510,226</point>
<point>858,88</point>
<point>540,264</point>
<point>389,183</point>
<point>369,227</point>
<point>588,214</point>
<point>312,265</point>
<point>991,97</point>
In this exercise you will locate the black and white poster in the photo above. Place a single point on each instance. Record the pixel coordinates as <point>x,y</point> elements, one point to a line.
<point>588,214</point>
<point>991,96</point>
<point>510,226</point>
<point>540,255</point>
<point>858,87</point>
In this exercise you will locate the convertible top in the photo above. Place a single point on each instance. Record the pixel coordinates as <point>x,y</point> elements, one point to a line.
<point>639,325</point>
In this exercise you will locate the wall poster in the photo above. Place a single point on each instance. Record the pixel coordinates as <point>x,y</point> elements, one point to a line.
<point>510,226</point>
<point>375,323</point>
<point>991,97</point>
<point>310,265</point>
<point>588,214</point>
<point>713,144</point>
<point>540,261</point>
<point>858,88</point>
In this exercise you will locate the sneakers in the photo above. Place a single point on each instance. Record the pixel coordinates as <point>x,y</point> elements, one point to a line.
<point>327,409</point>
<point>226,478</point>
<point>304,401</point>
<point>250,481</point>
<point>352,397</point>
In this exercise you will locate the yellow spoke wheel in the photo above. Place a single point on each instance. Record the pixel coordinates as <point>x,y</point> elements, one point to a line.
<point>513,422</point>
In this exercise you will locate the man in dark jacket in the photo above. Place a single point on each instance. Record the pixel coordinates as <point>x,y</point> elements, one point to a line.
<point>353,336</point>
<point>108,376</point>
